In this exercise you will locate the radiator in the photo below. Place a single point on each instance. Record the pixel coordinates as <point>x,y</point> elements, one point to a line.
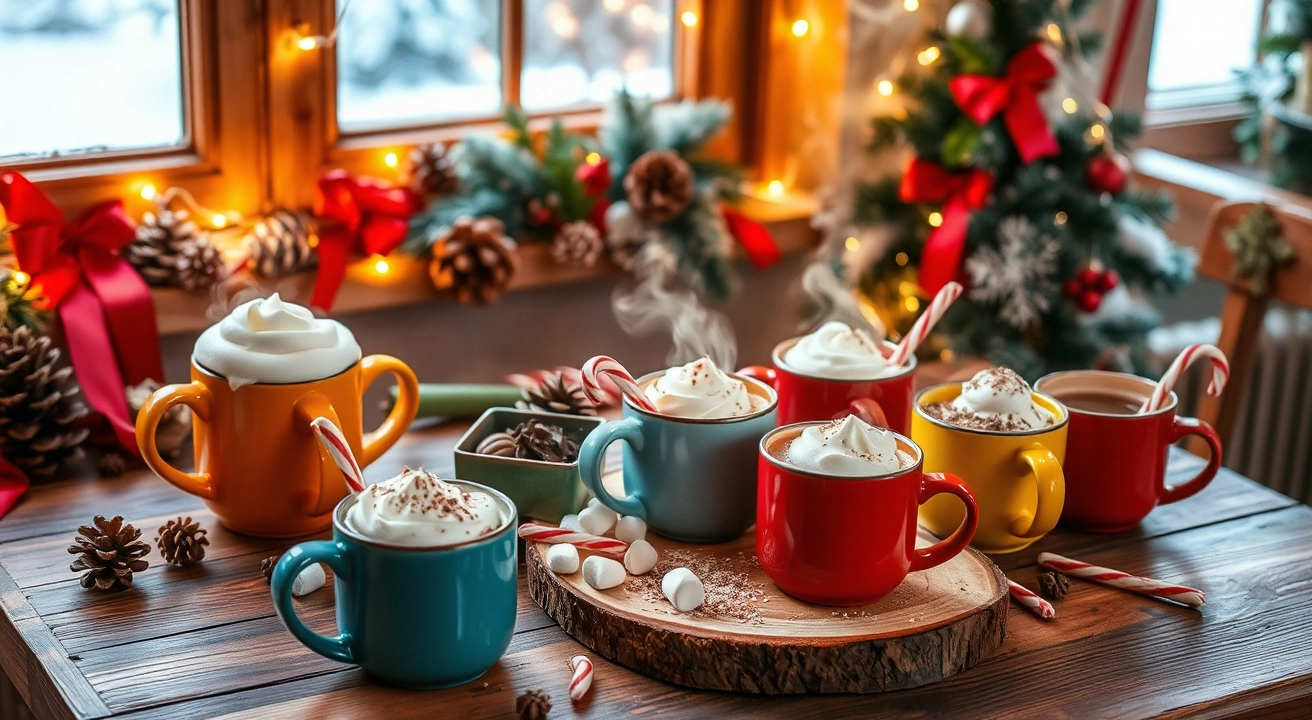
<point>1272,438</point>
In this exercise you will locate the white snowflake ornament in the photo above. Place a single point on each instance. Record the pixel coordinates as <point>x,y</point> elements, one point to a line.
<point>1017,274</point>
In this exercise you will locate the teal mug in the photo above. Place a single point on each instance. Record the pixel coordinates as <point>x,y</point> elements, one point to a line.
<point>690,479</point>
<point>415,617</point>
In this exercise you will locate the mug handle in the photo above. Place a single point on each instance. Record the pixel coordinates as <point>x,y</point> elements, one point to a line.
<point>932,484</point>
<point>292,563</point>
<point>1045,468</point>
<point>867,410</point>
<point>766,375</point>
<point>195,396</point>
<point>310,407</point>
<point>403,412</point>
<point>592,455</point>
<point>1183,427</point>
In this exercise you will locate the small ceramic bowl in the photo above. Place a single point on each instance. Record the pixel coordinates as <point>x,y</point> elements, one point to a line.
<point>541,490</point>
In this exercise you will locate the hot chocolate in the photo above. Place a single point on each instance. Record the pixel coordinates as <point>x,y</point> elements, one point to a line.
<point>838,352</point>
<point>418,509</point>
<point>996,400</point>
<point>847,448</point>
<point>702,390</point>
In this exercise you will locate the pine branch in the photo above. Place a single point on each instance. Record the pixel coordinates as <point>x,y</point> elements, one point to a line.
<point>626,133</point>
<point>688,126</point>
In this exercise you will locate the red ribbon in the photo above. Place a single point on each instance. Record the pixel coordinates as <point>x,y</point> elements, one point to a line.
<point>1016,96</point>
<point>959,193</point>
<point>13,483</point>
<point>755,239</point>
<point>370,217</point>
<point>105,306</point>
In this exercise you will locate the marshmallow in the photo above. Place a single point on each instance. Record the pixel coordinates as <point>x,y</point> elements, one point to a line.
<point>563,559</point>
<point>640,558</point>
<point>571,522</point>
<point>630,529</point>
<point>602,573</point>
<point>311,578</point>
<point>684,591</point>
<point>597,519</point>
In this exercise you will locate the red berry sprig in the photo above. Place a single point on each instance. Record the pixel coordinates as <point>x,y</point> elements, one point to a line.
<point>1089,286</point>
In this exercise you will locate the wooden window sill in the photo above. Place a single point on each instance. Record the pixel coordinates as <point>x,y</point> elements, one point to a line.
<point>178,311</point>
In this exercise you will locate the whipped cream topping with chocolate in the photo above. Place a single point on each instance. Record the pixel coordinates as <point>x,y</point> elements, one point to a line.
<point>849,447</point>
<point>997,400</point>
<point>838,352</point>
<point>419,509</point>
<point>271,341</point>
<point>702,390</point>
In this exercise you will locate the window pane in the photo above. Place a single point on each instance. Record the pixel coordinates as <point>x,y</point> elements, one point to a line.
<point>411,62</point>
<point>584,51</point>
<point>1200,43</point>
<point>83,77</point>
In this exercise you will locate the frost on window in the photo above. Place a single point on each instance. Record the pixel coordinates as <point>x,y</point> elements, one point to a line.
<point>1199,44</point>
<point>85,76</point>
<point>411,62</point>
<point>583,51</point>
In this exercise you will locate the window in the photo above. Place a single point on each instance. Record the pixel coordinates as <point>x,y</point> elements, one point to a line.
<point>1197,46</point>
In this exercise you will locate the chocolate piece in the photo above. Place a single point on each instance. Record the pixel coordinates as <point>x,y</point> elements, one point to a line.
<point>1053,585</point>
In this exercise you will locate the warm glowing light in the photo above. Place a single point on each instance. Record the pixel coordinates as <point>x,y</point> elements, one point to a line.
<point>148,191</point>
<point>390,160</point>
<point>20,278</point>
<point>592,158</point>
<point>905,288</point>
<point>1059,218</point>
<point>381,265</point>
<point>911,303</point>
<point>565,26</point>
<point>613,6</point>
<point>688,18</point>
<point>312,241</point>
<point>885,87</point>
<point>1054,32</point>
<point>902,259</point>
<point>219,220</point>
<point>1097,131</point>
<point>307,43</point>
<point>1070,106</point>
<point>636,62</point>
<point>776,187</point>
<point>946,355</point>
<point>853,244</point>
<point>929,55</point>
<point>911,5</point>
<point>800,28</point>
<point>640,15</point>
<point>935,219</point>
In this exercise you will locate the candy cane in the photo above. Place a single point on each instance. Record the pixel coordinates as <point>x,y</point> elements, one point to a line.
<point>601,365</point>
<point>926,322</point>
<point>1031,601</point>
<point>1220,375</point>
<point>533,532</point>
<point>335,443</point>
<point>582,680</point>
<point>1123,581</point>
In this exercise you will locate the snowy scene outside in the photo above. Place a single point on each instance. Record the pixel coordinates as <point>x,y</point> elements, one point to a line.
<point>1201,43</point>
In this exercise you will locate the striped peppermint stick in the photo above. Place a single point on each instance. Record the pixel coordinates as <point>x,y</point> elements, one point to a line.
<point>1123,581</point>
<point>1220,375</point>
<point>604,365</point>
<point>1031,601</point>
<point>534,532</point>
<point>926,322</point>
<point>581,683</point>
<point>335,443</point>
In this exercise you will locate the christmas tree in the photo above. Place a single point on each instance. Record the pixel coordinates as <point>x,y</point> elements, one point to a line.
<point>1016,187</point>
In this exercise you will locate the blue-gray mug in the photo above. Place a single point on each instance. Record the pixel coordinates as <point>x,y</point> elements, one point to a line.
<point>691,479</point>
<point>416,617</point>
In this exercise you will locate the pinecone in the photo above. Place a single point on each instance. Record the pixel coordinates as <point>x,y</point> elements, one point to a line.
<point>475,260</point>
<point>281,243</point>
<point>659,186</point>
<point>557,395</point>
<point>430,171</point>
<point>111,464</point>
<point>533,705</point>
<point>266,567</point>
<point>173,429</point>
<point>577,244</point>
<point>161,237</point>
<point>109,552</point>
<point>182,542</point>
<point>1053,585</point>
<point>39,411</point>
<point>532,440</point>
<point>199,265</point>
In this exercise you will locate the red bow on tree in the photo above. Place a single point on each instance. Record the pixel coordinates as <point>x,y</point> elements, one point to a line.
<point>366,216</point>
<point>1016,96</point>
<point>104,305</point>
<point>959,193</point>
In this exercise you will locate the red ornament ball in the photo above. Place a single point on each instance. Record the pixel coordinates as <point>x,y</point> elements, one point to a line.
<point>1090,277</point>
<point>1089,301</point>
<point>1109,280</point>
<point>1107,173</point>
<point>1072,288</point>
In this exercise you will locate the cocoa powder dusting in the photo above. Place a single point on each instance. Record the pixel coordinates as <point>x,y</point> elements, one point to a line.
<point>730,593</point>
<point>949,413</point>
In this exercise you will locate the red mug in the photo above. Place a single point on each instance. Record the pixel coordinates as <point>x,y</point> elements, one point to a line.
<point>884,402</point>
<point>1115,458</point>
<point>847,541</point>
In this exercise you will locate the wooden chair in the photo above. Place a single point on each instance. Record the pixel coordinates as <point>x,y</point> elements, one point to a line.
<point>1242,312</point>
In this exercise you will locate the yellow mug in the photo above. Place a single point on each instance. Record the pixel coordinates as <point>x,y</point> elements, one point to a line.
<point>1016,477</point>
<point>259,466</point>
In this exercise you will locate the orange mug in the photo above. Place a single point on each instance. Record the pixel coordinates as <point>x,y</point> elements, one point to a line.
<point>258,464</point>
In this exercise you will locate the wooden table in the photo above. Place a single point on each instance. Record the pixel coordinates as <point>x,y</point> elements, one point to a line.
<point>204,642</point>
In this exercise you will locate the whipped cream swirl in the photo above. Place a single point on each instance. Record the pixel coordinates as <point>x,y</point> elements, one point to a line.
<point>1003,397</point>
<point>271,341</point>
<point>838,352</point>
<point>418,509</point>
<point>702,390</point>
<point>849,447</point>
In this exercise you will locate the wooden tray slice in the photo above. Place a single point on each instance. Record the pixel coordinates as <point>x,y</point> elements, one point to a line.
<point>751,637</point>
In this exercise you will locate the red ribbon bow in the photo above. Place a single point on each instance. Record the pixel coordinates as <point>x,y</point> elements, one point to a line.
<point>367,216</point>
<point>959,193</point>
<point>106,309</point>
<point>1016,96</point>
